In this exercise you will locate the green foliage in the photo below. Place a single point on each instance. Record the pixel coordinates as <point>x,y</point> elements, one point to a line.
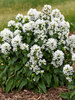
<point>65,95</point>
<point>68,95</point>
<point>42,86</point>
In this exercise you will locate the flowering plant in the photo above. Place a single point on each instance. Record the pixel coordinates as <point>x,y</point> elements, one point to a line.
<point>36,52</point>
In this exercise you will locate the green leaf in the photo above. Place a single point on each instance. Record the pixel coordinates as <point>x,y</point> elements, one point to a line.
<point>56,71</point>
<point>12,61</point>
<point>29,73</point>
<point>65,95</point>
<point>42,86</point>
<point>4,71</point>
<point>48,77</point>
<point>9,84</point>
<point>70,86</point>
<point>37,78</point>
<point>24,60</point>
<point>23,83</point>
<point>56,81</point>
<point>28,39</point>
<point>72,94</point>
<point>20,71</point>
<point>17,67</point>
<point>18,83</point>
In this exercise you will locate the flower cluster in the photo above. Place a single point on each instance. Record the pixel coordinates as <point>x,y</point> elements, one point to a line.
<point>71,41</point>
<point>57,14</point>
<point>5,48</point>
<point>16,41</point>
<point>28,26</point>
<point>47,9</point>
<point>34,14</point>
<point>51,44</point>
<point>24,46</point>
<point>73,57</point>
<point>58,58</point>
<point>19,17</point>
<point>11,23</point>
<point>6,35</point>
<point>16,32</point>
<point>36,60</point>
<point>68,72</point>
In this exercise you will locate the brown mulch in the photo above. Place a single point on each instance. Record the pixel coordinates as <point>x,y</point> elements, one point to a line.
<point>52,94</point>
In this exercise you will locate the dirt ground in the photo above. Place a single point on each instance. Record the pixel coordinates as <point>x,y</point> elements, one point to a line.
<point>52,94</point>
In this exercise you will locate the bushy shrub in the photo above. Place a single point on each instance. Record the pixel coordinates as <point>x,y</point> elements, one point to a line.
<point>36,52</point>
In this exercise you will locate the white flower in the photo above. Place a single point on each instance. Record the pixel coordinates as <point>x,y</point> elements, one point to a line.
<point>16,32</point>
<point>6,35</point>
<point>58,57</point>
<point>51,43</point>
<point>34,14</point>
<point>35,49</point>
<point>68,70</point>
<point>42,62</point>
<point>73,57</point>
<point>55,14</point>
<point>40,35</point>
<point>18,25</point>
<point>53,27</point>
<point>40,25</point>
<point>62,18</point>
<point>11,23</point>
<point>19,17</point>
<point>16,41</point>
<point>5,48</point>
<point>28,26</point>
<point>64,27</point>
<point>24,46</point>
<point>71,41</point>
<point>69,79</point>
<point>26,19</point>
<point>47,9</point>
<point>45,16</point>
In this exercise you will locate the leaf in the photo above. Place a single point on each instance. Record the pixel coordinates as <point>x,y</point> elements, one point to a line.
<point>48,77</point>
<point>9,84</point>
<point>17,67</point>
<point>18,83</point>
<point>29,73</point>
<point>4,71</point>
<point>56,71</point>
<point>72,94</point>
<point>13,60</point>
<point>24,60</point>
<point>37,78</point>
<point>42,86</point>
<point>20,71</point>
<point>64,95</point>
<point>23,83</point>
<point>28,39</point>
<point>70,86</point>
<point>56,81</point>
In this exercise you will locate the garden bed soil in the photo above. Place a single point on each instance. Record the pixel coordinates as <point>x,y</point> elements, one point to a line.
<point>52,94</point>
